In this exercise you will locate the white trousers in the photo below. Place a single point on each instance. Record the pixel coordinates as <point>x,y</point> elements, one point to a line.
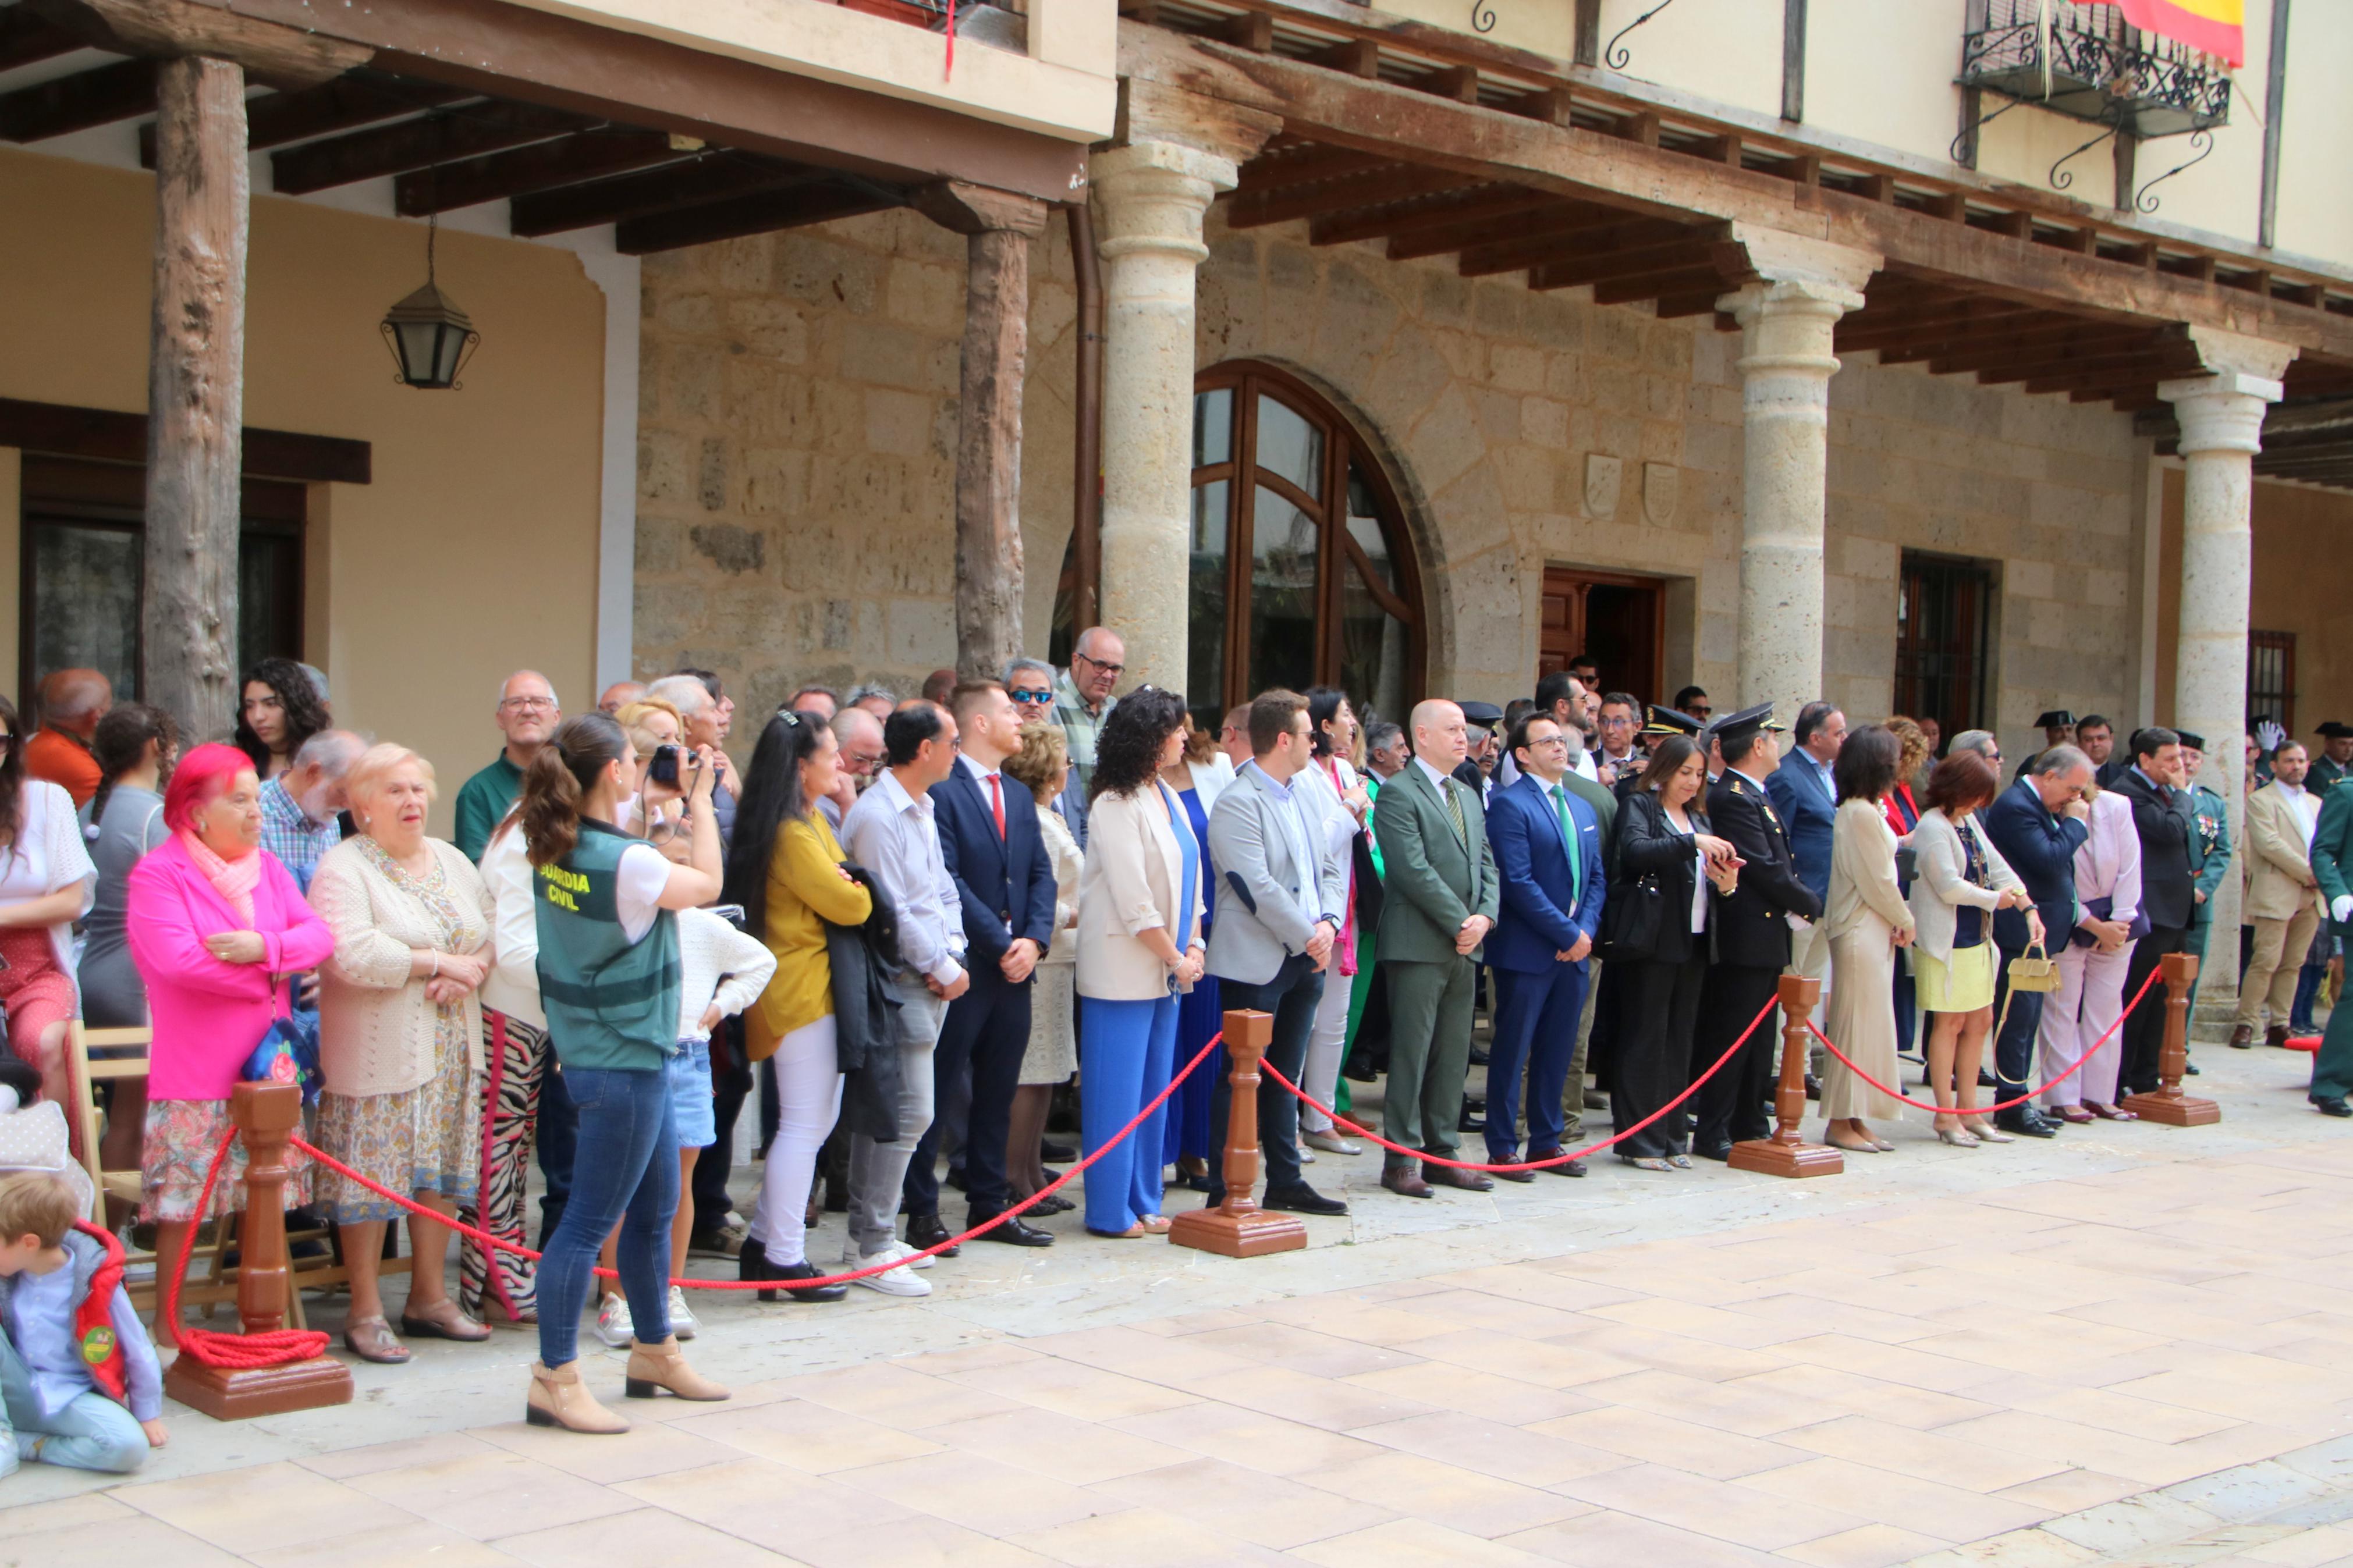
<point>809,1090</point>
<point>1327,1043</point>
<point>2089,1000</point>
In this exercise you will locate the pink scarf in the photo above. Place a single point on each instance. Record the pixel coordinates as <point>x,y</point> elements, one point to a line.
<point>232,880</point>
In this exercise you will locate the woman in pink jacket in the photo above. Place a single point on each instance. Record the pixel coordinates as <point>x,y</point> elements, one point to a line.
<point>216,928</point>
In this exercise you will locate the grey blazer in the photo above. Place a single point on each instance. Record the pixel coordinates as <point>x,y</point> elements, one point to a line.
<point>1259,919</point>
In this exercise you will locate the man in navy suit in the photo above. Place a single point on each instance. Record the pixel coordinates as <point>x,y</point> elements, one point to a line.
<point>2037,824</point>
<point>989,840</point>
<point>1803,791</point>
<point>1547,844</point>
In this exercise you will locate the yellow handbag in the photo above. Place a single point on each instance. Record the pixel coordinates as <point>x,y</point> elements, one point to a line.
<point>2029,972</point>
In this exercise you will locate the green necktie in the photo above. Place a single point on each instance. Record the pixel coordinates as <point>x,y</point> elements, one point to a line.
<point>1454,810</point>
<point>1569,842</point>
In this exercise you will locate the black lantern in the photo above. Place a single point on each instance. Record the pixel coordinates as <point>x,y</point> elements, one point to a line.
<point>430,338</point>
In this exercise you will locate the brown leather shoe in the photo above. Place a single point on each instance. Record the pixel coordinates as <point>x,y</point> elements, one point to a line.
<point>2242,1039</point>
<point>1403,1178</point>
<point>1447,1176</point>
<point>2276,1036</point>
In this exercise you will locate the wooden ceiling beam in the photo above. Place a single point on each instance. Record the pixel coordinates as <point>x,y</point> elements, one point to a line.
<point>27,38</point>
<point>122,90</point>
<point>1388,183</point>
<point>1492,221</point>
<point>795,207</point>
<point>2109,381</point>
<point>1671,255</point>
<point>1445,210</point>
<point>1700,302</point>
<point>1857,333</point>
<point>357,99</point>
<point>2139,365</point>
<point>442,137</point>
<point>714,177</point>
<point>1564,239</point>
<point>1996,348</point>
<point>1660,285</point>
<point>567,161</point>
<point>1304,165</point>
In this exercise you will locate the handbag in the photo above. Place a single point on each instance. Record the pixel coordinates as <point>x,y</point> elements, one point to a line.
<point>2028,973</point>
<point>1633,917</point>
<point>284,1054</point>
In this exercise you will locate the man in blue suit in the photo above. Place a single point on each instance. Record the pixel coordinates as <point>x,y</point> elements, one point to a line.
<point>1802,791</point>
<point>989,841</point>
<point>1548,844</point>
<point>2037,824</point>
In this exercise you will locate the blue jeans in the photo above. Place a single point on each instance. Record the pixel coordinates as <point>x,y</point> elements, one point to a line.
<point>91,1433</point>
<point>1126,1051</point>
<point>626,1170</point>
<point>558,1134</point>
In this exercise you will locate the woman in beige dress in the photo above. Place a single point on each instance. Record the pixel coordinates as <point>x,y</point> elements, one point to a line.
<point>1043,766</point>
<point>1868,922</point>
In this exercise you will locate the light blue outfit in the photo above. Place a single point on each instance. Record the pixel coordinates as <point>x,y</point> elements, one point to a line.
<point>55,1412</point>
<point>1127,1051</point>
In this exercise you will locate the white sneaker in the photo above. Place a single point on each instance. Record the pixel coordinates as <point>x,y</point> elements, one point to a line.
<point>683,1321</point>
<point>898,1282</point>
<point>912,1255</point>
<point>613,1324</point>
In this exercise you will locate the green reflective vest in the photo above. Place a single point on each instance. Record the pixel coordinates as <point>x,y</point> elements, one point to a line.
<point>610,1002</point>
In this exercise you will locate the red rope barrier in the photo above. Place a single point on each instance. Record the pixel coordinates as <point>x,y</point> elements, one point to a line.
<point>502,1245</point>
<point>278,1347</point>
<point>2073,1069</point>
<point>1307,1099</point>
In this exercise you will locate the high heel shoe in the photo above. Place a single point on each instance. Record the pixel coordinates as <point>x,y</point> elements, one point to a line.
<point>1959,1137</point>
<point>663,1366</point>
<point>558,1398</point>
<point>1987,1132</point>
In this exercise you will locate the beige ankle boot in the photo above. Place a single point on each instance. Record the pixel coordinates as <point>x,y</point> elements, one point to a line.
<point>558,1398</point>
<point>663,1365</point>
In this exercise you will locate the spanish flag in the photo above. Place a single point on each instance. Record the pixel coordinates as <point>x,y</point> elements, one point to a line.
<point>2216,26</point>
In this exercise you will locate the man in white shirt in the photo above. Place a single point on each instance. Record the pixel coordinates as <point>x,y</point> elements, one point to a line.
<point>891,832</point>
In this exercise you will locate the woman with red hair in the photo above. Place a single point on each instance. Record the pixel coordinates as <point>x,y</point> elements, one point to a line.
<point>217,927</point>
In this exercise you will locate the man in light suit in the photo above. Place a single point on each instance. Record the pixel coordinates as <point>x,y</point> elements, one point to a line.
<point>1438,903</point>
<point>1285,899</point>
<point>1005,880</point>
<point>1548,847</point>
<point>2282,900</point>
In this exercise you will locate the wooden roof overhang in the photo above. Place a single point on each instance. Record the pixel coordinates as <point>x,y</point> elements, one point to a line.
<point>574,126</point>
<point>1435,144</point>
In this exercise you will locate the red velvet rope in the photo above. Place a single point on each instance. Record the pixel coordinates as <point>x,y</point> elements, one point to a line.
<point>278,1347</point>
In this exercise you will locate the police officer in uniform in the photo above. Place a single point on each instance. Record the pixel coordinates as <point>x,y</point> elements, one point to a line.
<point>1751,931</point>
<point>2210,850</point>
<point>2058,727</point>
<point>2335,762</point>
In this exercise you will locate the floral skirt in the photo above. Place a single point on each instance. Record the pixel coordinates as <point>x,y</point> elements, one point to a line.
<point>422,1140</point>
<point>181,1138</point>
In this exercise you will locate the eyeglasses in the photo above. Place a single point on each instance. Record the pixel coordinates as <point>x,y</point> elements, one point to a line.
<point>542,703</point>
<point>1040,694</point>
<point>1106,668</point>
<point>1700,710</point>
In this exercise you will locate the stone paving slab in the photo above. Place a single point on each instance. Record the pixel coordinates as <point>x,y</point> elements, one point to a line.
<point>2136,1346</point>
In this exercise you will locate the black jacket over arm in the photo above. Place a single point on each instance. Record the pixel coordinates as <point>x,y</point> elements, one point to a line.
<point>2162,818</point>
<point>1751,926</point>
<point>1648,844</point>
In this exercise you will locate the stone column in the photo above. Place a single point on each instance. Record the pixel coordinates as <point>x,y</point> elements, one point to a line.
<point>1150,196</point>
<point>1786,314</point>
<point>2221,420</point>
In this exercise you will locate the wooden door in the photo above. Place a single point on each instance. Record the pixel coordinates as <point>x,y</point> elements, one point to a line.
<point>1615,618</point>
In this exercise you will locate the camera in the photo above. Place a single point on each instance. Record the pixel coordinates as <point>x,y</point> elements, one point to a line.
<point>666,767</point>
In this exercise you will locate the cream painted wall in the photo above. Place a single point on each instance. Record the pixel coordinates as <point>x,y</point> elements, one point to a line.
<point>1729,51</point>
<point>1885,72</point>
<point>2315,217</point>
<point>474,551</point>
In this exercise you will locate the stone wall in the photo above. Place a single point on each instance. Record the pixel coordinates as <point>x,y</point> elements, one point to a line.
<point>797,464</point>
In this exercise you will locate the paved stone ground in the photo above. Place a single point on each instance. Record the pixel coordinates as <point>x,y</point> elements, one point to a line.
<point>2129,1344</point>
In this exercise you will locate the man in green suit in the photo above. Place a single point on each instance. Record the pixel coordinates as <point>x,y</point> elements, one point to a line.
<point>1440,897</point>
<point>2332,865</point>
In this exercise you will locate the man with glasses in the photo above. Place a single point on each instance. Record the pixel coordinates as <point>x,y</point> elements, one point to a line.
<point>527,715</point>
<point>859,733</point>
<point>1082,700</point>
<point>1621,717</point>
<point>1031,683</point>
<point>1693,699</point>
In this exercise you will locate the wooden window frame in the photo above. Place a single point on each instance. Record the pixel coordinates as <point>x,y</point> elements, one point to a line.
<point>2284,643</point>
<point>1980,657</point>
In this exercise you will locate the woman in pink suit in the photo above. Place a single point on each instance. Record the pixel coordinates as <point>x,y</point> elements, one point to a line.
<point>2090,998</point>
<point>216,928</point>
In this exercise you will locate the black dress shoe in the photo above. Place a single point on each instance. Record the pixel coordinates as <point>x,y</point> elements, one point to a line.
<point>1470,1124</point>
<point>2330,1105</point>
<point>955,1178</point>
<point>924,1232</point>
<point>1479,1058</point>
<point>1814,1087</point>
<point>2025,1123</point>
<point>1986,1080</point>
<point>1056,1153</point>
<point>1359,1070</point>
<point>1713,1150</point>
<point>752,1263</point>
<point>1010,1231</point>
<point>1301,1199</point>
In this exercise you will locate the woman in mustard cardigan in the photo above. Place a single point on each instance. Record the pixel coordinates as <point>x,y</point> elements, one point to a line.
<point>785,869</point>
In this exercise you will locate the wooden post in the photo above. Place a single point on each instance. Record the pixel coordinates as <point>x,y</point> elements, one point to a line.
<point>195,393</point>
<point>1787,1153</point>
<point>1238,1227</point>
<point>265,1114</point>
<point>998,228</point>
<point>2166,1103</point>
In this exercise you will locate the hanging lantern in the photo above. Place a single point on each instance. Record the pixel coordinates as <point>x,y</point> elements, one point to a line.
<point>430,338</point>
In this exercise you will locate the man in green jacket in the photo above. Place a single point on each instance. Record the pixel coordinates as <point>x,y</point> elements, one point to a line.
<point>1440,897</point>
<point>2332,863</point>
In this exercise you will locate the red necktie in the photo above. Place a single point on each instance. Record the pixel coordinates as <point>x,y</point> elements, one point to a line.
<point>997,805</point>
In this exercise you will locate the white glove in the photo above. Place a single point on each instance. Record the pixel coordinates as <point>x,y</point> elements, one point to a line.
<point>2341,910</point>
<point>1798,924</point>
<point>2268,736</point>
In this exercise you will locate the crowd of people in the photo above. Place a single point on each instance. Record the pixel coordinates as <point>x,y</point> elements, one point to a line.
<point>911,922</point>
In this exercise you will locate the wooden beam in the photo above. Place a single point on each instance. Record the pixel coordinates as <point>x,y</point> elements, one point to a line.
<point>1436,231</point>
<point>123,90</point>
<point>1878,188</point>
<point>281,54</point>
<point>1699,302</point>
<point>1375,187</point>
<point>2017,226</point>
<point>107,435</point>
<point>1641,128</point>
<point>195,390</point>
<point>2035,358</point>
<point>362,98</point>
<point>27,38</point>
<point>1357,56</point>
<point>1692,249</point>
<point>1659,285</point>
<point>1251,30</point>
<point>2105,384</point>
<point>1303,166</point>
<point>1551,105</point>
<point>1971,352</point>
<point>1564,239</point>
<point>438,138</point>
<point>669,189</point>
<point>1805,169</point>
<point>566,160</point>
<point>761,214</point>
<point>1459,83</point>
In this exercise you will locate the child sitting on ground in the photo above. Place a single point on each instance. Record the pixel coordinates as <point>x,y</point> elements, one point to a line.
<point>79,1378</point>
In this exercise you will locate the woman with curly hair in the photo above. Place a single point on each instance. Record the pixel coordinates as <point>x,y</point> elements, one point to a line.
<point>1139,945</point>
<point>278,709</point>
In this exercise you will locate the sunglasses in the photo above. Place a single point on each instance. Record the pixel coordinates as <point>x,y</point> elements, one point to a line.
<point>1041,697</point>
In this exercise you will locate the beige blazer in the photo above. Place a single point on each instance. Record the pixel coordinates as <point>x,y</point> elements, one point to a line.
<point>2279,858</point>
<point>375,1024</point>
<point>1862,870</point>
<point>1133,875</point>
<point>1940,889</point>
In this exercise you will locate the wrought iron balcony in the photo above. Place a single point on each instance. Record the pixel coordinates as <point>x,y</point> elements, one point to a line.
<point>2081,60</point>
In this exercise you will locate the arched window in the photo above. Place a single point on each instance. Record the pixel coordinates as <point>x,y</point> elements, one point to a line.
<point>1300,574</point>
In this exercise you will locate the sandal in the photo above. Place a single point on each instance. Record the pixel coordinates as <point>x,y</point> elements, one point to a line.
<point>2111,1113</point>
<point>1133,1233</point>
<point>371,1340</point>
<point>1680,1162</point>
<point>2074,1114</point>
<point>442,1320</point>
<point>1156,1223</point>
<point>1649,1164</point>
